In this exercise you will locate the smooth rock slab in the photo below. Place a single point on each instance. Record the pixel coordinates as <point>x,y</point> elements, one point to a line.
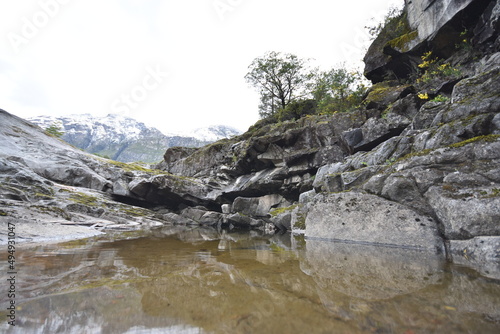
<point>31,231</point>
<point>364,218</point>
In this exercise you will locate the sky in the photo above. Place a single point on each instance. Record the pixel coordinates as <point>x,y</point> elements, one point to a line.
<point>176,65</point>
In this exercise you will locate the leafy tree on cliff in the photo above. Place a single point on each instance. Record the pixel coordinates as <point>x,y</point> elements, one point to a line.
<point>279,78</point>
<point>338,90</point>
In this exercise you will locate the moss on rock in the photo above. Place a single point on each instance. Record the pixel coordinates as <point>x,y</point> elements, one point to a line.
<point>486,138</point>
<point>279,211</point>
<point>402,42</point>
<point>133,167</point>
<point>84,199</point>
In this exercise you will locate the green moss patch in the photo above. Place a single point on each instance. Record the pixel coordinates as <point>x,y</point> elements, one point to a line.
<point>487,138</point>
<point>44,196</point>
<point>402,42</point>
<point>51,210</point>
<point>379,91</point>
<point>135,211</point>
<point>300,222</point>
<point>134,167</point>
<point>495,192</point>
<point>415,154</point>
<point>84,199</point>
<point>279,211</point>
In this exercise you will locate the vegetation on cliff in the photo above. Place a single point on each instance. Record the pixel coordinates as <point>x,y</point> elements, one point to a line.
<point>290,90</point>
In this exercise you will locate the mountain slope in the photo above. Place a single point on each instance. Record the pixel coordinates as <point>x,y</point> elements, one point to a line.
<point>121,138</point>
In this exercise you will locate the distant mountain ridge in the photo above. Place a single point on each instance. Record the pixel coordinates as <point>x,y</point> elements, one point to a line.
<point>213,133</point>
<point>126,139</point>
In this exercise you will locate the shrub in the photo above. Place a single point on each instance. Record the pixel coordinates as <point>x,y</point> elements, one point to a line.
<point>436,68</point>
<point>440,98</point>
<point>54,130</point>
<point>296,109</point>
<point>395,24</point>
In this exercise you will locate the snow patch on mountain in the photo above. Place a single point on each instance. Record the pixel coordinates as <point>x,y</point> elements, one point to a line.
<point>125,139</point>
<point>214,133</point>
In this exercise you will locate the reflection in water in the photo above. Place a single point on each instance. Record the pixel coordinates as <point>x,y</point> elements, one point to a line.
<point>371,272</point>
<point>178,280</point>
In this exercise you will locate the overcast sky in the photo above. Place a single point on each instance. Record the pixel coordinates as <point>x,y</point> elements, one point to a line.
<point>173,64</point>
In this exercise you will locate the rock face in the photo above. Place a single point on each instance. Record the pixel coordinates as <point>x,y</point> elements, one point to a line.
<point>430,25</point>
<point>428,17</point>
<point>417,167</point>
<point>272,159</point>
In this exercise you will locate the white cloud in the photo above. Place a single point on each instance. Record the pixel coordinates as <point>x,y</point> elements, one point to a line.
<point>89,53</point>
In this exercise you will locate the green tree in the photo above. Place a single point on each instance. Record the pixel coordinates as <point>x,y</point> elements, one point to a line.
<point>338,90</point>
<point>279,78</point>
<point>55,130</point>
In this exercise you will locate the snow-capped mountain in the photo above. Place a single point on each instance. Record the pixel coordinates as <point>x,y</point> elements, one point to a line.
<point>122,138</point>
<point>214,132</point>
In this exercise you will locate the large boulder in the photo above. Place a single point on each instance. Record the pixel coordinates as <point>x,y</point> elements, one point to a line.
<point>388,57</point>
<point>239,220</point>
<point>257,206</point>
<point>364,218</point>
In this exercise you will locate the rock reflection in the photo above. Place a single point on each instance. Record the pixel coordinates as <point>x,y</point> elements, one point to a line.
<point>400,287</point>
<point>371,272</point>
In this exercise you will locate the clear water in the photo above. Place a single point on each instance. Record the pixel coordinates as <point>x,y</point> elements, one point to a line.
<point>177,280</point>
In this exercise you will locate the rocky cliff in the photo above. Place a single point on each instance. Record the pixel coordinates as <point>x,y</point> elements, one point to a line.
<point>418,166</point>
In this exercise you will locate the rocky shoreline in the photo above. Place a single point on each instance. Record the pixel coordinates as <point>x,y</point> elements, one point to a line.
<point>418,167</point>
